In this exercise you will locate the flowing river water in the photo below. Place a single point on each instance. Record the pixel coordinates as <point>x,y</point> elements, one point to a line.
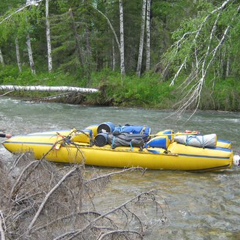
<point>200,205</point>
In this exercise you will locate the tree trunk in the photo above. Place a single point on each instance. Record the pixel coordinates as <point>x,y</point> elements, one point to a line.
<point>1,58</point>
<point>122,58</point>
<point>141,42</point>
<point>30,54</point>
<point>18,55</point>
<point>148,30</point>
<point>77,40</point>
<point>48,35</point>
<point>113,56</point>
<point>89,54</point>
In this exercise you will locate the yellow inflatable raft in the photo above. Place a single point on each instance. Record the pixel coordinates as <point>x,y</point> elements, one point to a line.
<point>159,151</point>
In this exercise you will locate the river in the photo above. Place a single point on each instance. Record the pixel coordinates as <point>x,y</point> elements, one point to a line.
<point>201,205</point>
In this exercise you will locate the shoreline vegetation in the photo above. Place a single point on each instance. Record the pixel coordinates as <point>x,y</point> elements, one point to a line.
<point>149,91</point>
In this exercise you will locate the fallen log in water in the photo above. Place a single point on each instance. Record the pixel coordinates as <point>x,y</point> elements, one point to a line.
<point>48,89</point>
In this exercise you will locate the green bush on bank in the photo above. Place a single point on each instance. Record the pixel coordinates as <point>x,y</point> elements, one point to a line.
<point>147,91</point>
<point>226,95</point>
<point>11,76</point>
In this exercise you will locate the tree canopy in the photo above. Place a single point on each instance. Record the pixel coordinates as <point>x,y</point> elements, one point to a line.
<point>183,41</point>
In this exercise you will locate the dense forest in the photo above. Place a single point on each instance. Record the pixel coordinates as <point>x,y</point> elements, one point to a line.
<point>149,53</point>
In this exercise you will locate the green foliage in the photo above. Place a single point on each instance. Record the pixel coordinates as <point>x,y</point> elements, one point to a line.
<point>8,74</point>
<point>83,46</point>
<point>198,40</point>
<point>9,4</point>
<point>147,91</point>
<point>226,95</point>
<point>202,51</point>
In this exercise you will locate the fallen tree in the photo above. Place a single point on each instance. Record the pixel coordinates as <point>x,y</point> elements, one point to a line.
<point>13,88</point>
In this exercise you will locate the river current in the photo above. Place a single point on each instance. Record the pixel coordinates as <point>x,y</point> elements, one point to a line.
<point>200,205</point>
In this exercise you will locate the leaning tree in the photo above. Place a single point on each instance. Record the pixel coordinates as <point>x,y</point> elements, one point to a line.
<point>206,48</point>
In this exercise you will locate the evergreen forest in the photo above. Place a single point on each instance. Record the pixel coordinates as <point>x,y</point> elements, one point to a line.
<point>165,54</point>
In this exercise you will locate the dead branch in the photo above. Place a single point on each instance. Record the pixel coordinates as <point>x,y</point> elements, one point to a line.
<point>119,233</point>
<point>178,72</point>
<point>6,93</point>
<point>70,216</point>
<point>107,177</point>
<point>138,198</point>
<point>47,201</point>
<point>47,197</point>
<point>21,179</point>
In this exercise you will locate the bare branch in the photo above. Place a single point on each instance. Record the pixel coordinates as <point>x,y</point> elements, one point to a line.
<point>47,197</point>
<point>119,233</point>
<point>19,10</point>
<point>111,26</point>
<point>77,232</point>
<point>24,175</point>
<point>178,72</point>
<point>48,201</point>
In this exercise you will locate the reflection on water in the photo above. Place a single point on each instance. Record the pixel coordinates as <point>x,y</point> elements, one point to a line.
<point>201,206</point>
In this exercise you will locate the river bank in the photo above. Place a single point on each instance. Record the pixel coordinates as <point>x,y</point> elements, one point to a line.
<point>149,91</point>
